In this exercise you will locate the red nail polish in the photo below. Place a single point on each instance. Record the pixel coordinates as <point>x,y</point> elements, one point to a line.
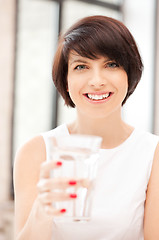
<point>63,210</point>
<point>72,182</point>
<point>59,163</point>
<point>73,195</point>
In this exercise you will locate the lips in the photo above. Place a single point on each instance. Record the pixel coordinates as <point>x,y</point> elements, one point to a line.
<point>98,97</point>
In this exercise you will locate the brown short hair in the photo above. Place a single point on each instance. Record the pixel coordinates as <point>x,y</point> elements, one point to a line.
<point>93,36</point>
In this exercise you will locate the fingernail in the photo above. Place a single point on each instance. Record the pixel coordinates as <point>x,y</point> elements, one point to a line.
<point>73,195</point>
<point>63,210</point>
<point>72,182</point>
<point>59,163</point>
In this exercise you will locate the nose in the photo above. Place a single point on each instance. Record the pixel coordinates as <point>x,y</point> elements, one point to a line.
<point>97,79</point>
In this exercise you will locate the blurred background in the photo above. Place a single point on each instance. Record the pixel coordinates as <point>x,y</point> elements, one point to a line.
<point>29,103</point>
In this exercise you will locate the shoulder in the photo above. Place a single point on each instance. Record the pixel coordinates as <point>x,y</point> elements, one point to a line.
<point>146,136</point>
<point>151,229</point>
<point>155,168</point>
<point>31,154</point>
<point>35,148</point>
<point>29,158</point>
<point>145,141</point>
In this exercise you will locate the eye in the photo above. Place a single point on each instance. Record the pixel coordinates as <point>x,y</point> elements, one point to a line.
<point>112,65</point>
<point>80,67</point>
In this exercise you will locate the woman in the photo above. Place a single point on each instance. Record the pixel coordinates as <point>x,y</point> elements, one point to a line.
<point>96,68</point>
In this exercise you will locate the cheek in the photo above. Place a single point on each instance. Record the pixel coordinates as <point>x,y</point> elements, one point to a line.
<point>75,84</point>
<point>121,83</point>
<point>70,85</point>
<point>124,82</point>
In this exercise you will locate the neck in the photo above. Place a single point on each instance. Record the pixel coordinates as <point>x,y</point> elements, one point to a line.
<point>112,128</point>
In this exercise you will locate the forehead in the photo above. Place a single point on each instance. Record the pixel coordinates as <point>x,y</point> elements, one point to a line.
<point>75,57</point>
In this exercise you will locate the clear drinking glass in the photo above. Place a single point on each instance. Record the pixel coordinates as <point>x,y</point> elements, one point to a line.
<point>79,156</point>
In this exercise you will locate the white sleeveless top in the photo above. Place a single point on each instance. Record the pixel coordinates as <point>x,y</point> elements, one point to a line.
<point>118,207</point>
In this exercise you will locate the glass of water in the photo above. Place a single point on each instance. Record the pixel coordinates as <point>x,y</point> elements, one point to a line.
<point>79,156</point>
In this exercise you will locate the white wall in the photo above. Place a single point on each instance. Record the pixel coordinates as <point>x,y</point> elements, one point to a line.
<point>7,42</point>
<point>36,42</point>
<point>156,123</point>
<point>139,18</point>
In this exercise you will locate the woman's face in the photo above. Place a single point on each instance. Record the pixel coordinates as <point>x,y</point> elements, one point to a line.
<point>97,87</point>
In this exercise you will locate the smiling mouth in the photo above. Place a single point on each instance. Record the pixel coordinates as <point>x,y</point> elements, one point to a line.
<point>98,97</point>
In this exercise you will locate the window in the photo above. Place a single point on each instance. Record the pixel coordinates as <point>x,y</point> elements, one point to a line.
<point>37,33</point>
<point>37,106</point>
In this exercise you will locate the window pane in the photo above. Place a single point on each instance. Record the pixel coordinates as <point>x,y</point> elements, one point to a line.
<point>36,41</point>
<point>70,13</point>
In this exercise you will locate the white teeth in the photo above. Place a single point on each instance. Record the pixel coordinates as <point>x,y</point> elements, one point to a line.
<point>98,97</point>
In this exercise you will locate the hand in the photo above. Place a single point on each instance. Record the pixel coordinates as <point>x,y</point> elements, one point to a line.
<point>47,185</point>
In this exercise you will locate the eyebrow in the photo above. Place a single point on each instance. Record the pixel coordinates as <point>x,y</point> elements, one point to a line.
<point>78,61</point>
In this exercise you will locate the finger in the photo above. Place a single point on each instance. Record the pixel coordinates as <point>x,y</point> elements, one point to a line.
<point>47,166</point>
<point>47,184</point>
<point>50,197</point>
<point>54,212</point>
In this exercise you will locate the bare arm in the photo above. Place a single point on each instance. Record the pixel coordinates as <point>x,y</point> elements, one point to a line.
<point>151,220</point>
<point>31,222</point>
<point>34,192</point>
